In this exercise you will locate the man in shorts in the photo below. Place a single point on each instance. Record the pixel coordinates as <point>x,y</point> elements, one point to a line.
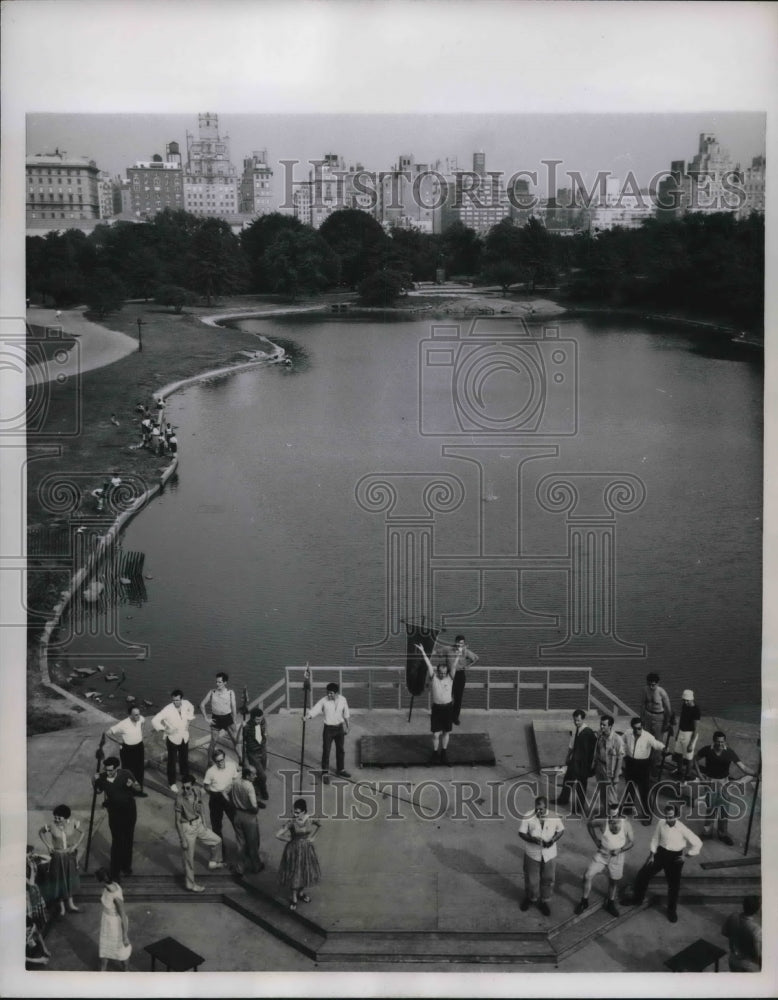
<point>613,837</point>
<point>224,712</point>
<point>442,718</point>
<point>686,736</point>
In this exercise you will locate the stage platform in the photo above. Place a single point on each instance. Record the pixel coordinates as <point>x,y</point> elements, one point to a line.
<point>415,750</point>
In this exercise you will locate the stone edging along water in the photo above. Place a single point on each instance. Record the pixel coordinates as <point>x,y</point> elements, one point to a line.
<point>109,538</point>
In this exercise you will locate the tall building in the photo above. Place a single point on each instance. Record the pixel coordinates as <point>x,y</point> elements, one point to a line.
<point>330,186</point>
<point>62,187</point>
<point>156,184</point>
<point>475,198</point>
<point>753,183</point>
<point>409,196</point>
<point>210,179</point>
<point>256,185</point>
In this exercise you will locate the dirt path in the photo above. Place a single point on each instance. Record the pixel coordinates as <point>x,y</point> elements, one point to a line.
<point>96,346</point>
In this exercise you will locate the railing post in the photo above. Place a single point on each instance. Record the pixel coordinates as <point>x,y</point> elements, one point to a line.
<point>370,689</point>
<point>548,686</point>
<point>288,690</point>
<point>588,688</point>
<point>518,688</point>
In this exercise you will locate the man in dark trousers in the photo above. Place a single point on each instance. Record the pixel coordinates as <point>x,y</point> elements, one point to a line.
<point>255,751</point>
<point>129,735</point>
<point>119,788</point>
<point>639,746</point>
<point>671,842</point>
<point>458,657</point>
<point>580,761</point>
<point>716,759</point>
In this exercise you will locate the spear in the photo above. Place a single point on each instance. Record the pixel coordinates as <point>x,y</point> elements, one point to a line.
<point>99,757</point>
<point>306,690</point>
<point>753,801</point>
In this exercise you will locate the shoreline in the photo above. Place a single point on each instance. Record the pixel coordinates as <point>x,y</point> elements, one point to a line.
<point>464,303</point>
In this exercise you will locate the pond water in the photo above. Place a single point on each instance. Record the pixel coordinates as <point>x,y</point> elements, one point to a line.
<point>267,552</point>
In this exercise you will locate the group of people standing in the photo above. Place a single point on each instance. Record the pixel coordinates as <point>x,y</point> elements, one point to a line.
<point>157,434</point>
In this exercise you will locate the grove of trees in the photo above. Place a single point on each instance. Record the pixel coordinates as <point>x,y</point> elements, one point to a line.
<point>711,265</point>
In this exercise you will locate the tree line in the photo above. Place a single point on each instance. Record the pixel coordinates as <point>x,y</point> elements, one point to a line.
<point>710,265</point>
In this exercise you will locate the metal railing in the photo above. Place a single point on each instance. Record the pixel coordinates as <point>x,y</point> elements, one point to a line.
<point>377,688</point>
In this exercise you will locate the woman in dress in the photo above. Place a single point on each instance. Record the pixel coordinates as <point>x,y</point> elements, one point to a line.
<point>114,926</point>
<point>299,863</point>
<point>62,840</point>
<point>36,907</point>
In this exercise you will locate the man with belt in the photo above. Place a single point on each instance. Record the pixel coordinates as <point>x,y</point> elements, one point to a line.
<point>334,707</point>
<point>637,763</point>
<point>608,754</point>
<point>255,751</point>
<point>667,851</point>
<point>579,760</point>
<point>173,720</point>
<point>457,658</point>
<point>442,717</point>
<point>243,800</point>
<point>541,832</point>
<point>224,712</point>
<point>655,713</point>
<point>129,735</point>
<point>217,782</point>
<point>119,787</point>
<point>717,758</point>
<point>191,827</point>
<point>613,837</point>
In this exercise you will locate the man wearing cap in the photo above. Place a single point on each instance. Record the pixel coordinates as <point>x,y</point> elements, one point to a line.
<point>243,800</point>
<point>334,707</point>
<point>686,735</point>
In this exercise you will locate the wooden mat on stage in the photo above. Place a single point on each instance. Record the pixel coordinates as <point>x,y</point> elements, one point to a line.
<point>413,749</point>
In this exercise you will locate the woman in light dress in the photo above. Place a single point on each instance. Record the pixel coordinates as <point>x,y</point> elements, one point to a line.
<point>114,926</point>
<point>62,839</point>
<point>299,862</point>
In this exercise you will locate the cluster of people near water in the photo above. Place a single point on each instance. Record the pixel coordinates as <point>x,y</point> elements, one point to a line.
<point>236,787</point>
<point>157,434</point>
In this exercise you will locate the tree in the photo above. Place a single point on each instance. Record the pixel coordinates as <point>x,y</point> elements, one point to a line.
<point>502,256</point>
<point>299,261</point>
<point>461,248</point>
<point>173,296</point>
<point>256,240</point>
<point>382,288</point>
<point>359,242</point>
<point>536,254</point>
<point>215,261</point>
<point>105,293</point>
<point>172,232</point>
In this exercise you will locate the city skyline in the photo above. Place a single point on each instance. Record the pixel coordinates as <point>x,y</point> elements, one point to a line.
<point>643,144</point>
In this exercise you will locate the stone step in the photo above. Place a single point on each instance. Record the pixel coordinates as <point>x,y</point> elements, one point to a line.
<point>579,929</point>
<point>433,946</point>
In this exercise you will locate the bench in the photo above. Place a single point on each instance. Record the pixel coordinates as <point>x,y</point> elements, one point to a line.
<point>175,956</point>
<point>696,958</point>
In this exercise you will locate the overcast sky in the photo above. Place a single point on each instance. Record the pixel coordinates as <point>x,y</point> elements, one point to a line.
<point>588,143</point>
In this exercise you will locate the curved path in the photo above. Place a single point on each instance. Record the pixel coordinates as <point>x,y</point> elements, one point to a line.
<point>97,346</point>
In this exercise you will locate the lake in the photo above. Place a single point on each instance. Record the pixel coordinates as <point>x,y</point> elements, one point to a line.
<point>267,551</point>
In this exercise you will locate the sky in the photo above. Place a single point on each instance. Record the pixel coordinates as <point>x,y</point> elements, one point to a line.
<point>587,143</point>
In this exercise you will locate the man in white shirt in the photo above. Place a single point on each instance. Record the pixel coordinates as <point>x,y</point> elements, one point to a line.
<point>671,842</point>
<point>174,721</point>
<point>540,832</point>
<point>442,717</point>
<point>129,735</point>
<point>334,707</point>
<point>639,746</point>
<point>217,782</point>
